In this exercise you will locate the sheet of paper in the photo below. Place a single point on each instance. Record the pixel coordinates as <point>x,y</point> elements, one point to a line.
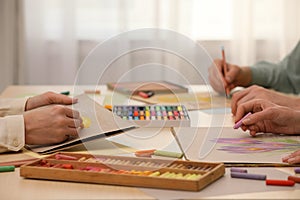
<point>148,138</point>
<point>102,124</point>
<point>192,101</point>
<point>228,145</point>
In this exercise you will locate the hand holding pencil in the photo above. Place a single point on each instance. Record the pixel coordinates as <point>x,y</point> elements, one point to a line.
<point>224,76</point>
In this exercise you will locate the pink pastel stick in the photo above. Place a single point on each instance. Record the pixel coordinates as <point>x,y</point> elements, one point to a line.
<point>239,123</point>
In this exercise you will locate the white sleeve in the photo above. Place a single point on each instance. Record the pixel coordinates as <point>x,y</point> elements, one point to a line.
<point>12,133</point>
<point>12,106</point>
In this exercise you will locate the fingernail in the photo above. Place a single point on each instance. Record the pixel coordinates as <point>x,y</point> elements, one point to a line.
<point>75,100</point>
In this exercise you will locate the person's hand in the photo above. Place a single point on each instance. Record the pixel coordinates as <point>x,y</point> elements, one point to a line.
<point>293,158</point>
<point>47,99</point>
<point>51,124</point>
<point>235,76</point>
<point>268,117</point>
<point>257,92</point>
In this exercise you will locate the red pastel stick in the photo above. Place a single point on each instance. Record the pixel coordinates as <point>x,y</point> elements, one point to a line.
<point>280,182</point>
<point>294,178</point>
<point>67,166</point>
<point>146,94</point>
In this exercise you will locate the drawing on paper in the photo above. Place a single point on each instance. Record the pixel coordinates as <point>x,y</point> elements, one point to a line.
<point>257,145</point>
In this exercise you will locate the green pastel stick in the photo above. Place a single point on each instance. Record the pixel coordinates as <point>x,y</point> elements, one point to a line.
<point>65,93</point>
<point>168,154</point>
<point>7,168</point>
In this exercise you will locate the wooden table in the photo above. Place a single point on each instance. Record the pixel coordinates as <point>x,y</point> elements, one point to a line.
<point>12,186</point>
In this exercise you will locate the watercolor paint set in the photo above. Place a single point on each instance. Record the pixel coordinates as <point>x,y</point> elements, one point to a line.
<point>154,115</point>
<point>126,171</point>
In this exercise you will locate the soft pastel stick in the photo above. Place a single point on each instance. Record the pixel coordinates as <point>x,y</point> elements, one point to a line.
<point>248,176</point>
<point>67,166</point>
<point>240,122</point>
<point>297,170</point>
<point>168,154</point>
<point>7,168</point>
<point>65,157</point>
<point>294,178</point>
<point>240,170</point>
<point>280,182</point>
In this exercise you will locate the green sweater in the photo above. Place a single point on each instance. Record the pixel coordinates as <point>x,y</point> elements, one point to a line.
<point>283,76</point>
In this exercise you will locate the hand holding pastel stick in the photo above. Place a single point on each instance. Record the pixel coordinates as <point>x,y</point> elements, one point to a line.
<point>268,117</point>
<point>240,122</point>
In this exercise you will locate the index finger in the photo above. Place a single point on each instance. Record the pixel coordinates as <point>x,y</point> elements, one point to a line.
<point>243,109</point>
<point>55,98</point>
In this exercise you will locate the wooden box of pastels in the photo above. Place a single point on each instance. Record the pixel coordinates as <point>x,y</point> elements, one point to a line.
<point>127,171</point>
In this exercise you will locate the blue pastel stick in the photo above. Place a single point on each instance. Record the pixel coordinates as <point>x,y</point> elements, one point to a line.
<point>297,170</point>
<point>248,176</point>
<point>240,170</point>
<point>240,122</point>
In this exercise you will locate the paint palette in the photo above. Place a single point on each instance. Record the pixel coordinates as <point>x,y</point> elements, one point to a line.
<point>126,171</point>
<point>154,115</point>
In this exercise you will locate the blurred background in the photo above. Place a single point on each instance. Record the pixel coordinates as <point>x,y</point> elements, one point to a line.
<point>45,41</point>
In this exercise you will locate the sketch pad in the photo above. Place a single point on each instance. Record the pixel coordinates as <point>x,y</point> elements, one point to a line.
<point>103,124</point>
<point>227,145</point>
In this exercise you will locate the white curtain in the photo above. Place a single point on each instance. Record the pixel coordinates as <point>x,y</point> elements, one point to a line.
<point>56,35</point>
<point>50,43</point>
<point>8,43</point>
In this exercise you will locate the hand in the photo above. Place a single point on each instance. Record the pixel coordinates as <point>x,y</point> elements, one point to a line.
<point>257,92</point>
<point>292,158</point>
<point>268,117</point>
<point>235,76</point>
<point>51,124</point>
<point>47,99</point>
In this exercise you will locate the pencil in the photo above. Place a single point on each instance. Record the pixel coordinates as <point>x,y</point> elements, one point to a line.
<point>225,70</point>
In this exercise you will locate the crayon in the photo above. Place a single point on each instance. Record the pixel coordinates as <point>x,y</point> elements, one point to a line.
<point>297,170</point>
<point>294,178</point>
<point>240,170</point>
<point>7,168</point>
<point>248,176</point>
<point>280,182</point>
<point>240,122</point>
